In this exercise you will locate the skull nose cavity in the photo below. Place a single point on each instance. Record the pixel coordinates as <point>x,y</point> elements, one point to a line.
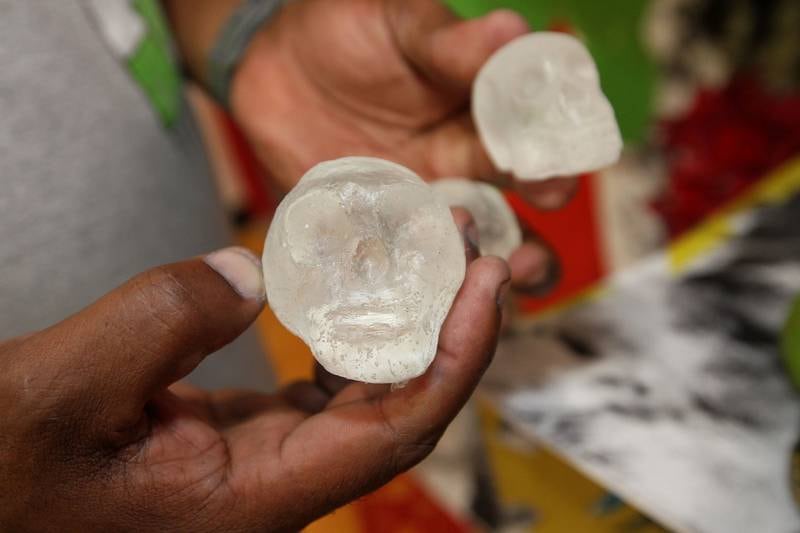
<point>575,102</point>
<point>371,260</point>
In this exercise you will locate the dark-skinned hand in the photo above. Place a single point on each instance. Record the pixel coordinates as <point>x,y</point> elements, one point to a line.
<point>99,436</point>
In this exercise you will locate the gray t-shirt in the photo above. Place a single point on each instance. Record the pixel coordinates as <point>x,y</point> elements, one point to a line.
<point>94,187</point>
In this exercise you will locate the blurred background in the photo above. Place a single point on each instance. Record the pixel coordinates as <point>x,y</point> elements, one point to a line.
<point>707,94</point>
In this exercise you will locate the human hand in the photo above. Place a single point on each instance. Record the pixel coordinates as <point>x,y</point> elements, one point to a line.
<point>387,78</point>
<point>384,78</point>
<point>97,436</point>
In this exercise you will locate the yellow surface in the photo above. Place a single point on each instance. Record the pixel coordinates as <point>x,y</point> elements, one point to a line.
<point>345,520</point>
<point>775,188</point>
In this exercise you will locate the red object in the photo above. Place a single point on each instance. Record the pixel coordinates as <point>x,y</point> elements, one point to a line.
<point>728,140</point>
<point>562,26</point>
<point>573,233</point>
<point>259,200</point>
<point>404,507</point>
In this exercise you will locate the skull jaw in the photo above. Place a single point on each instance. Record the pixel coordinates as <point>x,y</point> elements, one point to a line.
<point>554,122</point>
<point>545,154</point>
<point>375,354</point>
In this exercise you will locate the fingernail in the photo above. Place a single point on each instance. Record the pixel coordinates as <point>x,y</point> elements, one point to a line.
<point>502,293</point>
<point>472,238</point>
<point>241,269</point>
<point>547,281</point>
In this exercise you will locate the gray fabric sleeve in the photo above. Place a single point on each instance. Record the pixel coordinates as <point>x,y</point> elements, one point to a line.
<point>232,42</point>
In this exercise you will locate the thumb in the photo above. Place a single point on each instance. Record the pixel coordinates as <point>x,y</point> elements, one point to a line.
<point>154,330</point>
<point>446,49</point>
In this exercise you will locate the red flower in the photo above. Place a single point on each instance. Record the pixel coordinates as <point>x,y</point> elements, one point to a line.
<point>728,140</point>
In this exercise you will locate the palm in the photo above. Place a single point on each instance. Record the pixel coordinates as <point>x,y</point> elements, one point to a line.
<point>382,92</point>
<point>229,447</point>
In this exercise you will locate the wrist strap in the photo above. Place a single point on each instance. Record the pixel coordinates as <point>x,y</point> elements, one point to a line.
<point>232,42</point>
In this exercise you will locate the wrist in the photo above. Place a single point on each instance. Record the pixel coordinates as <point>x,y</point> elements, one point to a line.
<point>233,42</point>
<point>260,69</point>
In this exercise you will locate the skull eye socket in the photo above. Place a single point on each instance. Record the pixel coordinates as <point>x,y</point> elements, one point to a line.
<point>576,95</point>
<point>578,65</point>
<point>319,229</point>
<point>530,85</point>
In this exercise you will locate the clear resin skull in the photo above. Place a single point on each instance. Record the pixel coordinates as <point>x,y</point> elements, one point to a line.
<point>363,262</point>
<point>497,225</point>
<point>540,110</point>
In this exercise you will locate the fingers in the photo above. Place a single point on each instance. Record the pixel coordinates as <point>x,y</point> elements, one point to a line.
<point>535,269</point>
<point>468,337</point>
<point>352,448</point>
<point>529,264</point>
<point>549,194</point>
<point>469,233</point>
<point>450,52</point>
<point>454,149</point>
<point>447,50</point>
<point>152,331</point>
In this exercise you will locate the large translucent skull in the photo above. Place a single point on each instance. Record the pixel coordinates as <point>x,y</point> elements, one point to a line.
<point>498,228</point>
<point>363,262</point>
<point>540,111</point>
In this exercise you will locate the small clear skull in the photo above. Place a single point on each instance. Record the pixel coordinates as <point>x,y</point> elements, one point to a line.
<point>363,262</point>
<point>540,110</point>
<point>498,228</point>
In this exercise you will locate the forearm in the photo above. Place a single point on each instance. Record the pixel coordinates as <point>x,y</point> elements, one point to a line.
<point>196,24</point>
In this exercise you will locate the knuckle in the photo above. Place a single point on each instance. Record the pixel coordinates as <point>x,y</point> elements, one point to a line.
<point>408,454</point>
<point>161,289</point>
<point>407,448</point>
<point>169,305</point>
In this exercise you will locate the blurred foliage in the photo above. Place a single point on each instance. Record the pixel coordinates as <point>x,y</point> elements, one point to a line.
<point>791,355</point>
